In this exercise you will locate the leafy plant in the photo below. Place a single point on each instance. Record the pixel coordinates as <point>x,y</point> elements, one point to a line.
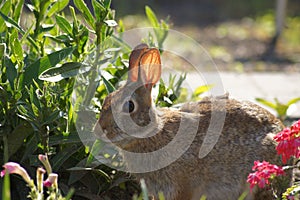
<point>279,107</point>
<point>160,29</point>
<point>168,95</point>
<point>39,63</point>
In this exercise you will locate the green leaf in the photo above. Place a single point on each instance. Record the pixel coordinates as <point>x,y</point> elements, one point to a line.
<point>60,139</point>
<point>97,146</point>
<point>77,172</point>
<point>144,189</point>
<point>18,50</point>
<point>70,194</point>
<point>99,9</point>
<point>13,23</point>
<point>6,187</point>
<point>46,27</point>
<point>201,89</point>
<point>4,10</point>
<point>59,159</point>
<point>80,170</point>
<point>106,3</point>
<point>109,87</point>
<point>11,71</point>
<point>2,49</point>
<point>111,23</point>
<point>58,6</point>
<point>32,71</point>
<point>67,70</point>
<point>35,102</point>
<point>27,114</point>
<point>60,38</point>
<point>17,136</point>
<point>80,4</point>
<point>151,17</point>
<point>292,101</point>
<point>31,147</point>
<point>266,103</point>
<point>64,24</point>
<point>18,9</point>
<point>55,115</point>
<point>281,109</point>
<point>243,196</point>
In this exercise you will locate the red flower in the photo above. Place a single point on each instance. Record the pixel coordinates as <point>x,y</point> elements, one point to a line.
<point>295,128</point>
<point>264,171</point>
<point>288,142</point>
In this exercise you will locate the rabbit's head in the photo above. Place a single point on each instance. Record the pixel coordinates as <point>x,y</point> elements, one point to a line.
<point>127,113</point>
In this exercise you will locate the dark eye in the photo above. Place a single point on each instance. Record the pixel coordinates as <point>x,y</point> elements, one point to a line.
<point>128,106</point>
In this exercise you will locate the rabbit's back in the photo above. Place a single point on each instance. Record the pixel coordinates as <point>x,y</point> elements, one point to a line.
<point>246,136</point>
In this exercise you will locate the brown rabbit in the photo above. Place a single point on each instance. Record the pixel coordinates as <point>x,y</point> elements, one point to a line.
<point>216,143</point>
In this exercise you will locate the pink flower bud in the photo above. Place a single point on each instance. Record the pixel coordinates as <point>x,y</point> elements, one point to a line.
<point>39,178</point>
<point>15,168</point>
<point>44,159</point>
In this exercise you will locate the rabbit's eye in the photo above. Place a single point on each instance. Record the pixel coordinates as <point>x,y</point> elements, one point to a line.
<point>128,106</point>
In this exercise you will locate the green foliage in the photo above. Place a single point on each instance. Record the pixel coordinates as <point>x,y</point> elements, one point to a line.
<point>160,29</point>
<point>38,67</point>
<point>37,70</point>
<point>293,191</point>
<point>199,91</point>
<point>168,95</point>
<point>279,107</point>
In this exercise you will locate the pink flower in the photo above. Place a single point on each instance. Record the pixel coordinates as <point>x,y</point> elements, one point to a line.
<point>253,179</point>
<point>15,168</point>
<point>288,142</point>
<point>51,180</point>
<point>264,171</point>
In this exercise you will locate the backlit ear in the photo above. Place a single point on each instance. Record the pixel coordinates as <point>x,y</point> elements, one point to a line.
<point>150,67</point>
<point>134,60</point>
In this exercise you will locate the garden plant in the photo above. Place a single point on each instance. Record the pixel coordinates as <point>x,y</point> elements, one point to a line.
<point>43,46</point>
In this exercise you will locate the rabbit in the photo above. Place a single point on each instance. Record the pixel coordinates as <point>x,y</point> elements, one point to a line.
<point>131,122</point>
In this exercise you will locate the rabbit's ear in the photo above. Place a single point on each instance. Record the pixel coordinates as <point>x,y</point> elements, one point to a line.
<point>150,68</point>
<point>134,61</point>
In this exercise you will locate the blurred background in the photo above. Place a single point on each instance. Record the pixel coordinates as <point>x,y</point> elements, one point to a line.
<point>254,43</point>
<point>238,34</point>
